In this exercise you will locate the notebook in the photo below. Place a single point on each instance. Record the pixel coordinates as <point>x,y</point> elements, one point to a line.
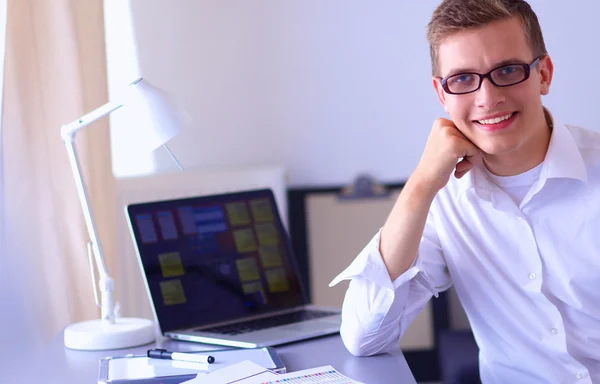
<point>139,369</point>
<point>220,269</point>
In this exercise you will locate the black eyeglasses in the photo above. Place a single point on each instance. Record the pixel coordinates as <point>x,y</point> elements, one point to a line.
<point>503,76</point>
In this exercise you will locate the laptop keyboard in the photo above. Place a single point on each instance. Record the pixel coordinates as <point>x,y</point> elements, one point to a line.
<point>268,322</point>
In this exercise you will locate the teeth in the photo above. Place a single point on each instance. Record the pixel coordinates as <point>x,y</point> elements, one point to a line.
<point>495,120</point>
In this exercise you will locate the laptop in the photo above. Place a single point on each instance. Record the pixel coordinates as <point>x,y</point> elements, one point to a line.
<point>220,269</point>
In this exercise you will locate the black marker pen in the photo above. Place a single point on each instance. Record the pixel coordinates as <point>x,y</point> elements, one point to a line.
<point>180,356</point>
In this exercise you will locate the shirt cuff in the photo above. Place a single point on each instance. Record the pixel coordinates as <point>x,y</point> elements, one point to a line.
<point>369,265</point>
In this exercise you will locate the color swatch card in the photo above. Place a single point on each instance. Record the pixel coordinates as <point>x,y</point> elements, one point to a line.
<point>325,375</point>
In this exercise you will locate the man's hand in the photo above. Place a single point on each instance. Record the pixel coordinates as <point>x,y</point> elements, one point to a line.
<point>402,232</point>
<point>445,146</point>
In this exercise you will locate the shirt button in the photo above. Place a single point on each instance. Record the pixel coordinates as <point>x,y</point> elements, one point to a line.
<point>532,276</point>
<point>554,331</point>
<point>580,375</point>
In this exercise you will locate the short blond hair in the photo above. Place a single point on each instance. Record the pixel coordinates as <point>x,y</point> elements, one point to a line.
<point>453,16</point>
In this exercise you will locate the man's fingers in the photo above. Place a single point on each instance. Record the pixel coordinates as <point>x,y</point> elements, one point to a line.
<point>471,152</point>
<point>476,157</point>
<point>463,167</point>
<point>464,164</point>
<point>459,174</point>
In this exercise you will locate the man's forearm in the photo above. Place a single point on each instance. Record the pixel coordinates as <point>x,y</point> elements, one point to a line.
<point>402,232</point>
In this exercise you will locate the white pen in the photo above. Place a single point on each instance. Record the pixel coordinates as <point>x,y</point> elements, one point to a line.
<point>180,356</point>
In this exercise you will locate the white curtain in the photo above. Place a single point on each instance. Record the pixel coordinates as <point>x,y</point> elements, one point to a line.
<point>54,72</point>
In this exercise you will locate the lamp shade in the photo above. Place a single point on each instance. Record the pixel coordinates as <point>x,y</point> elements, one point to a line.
<point>157,118</point>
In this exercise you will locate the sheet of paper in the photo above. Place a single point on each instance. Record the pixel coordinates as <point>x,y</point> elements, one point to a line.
<point>237,373</point>
<point>326,374</point>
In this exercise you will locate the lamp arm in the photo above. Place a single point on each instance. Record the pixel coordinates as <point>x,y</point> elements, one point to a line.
<point>68,131</point>
<point>106,282</point>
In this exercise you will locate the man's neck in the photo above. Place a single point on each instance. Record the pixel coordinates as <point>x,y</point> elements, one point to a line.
<point>525,157</point>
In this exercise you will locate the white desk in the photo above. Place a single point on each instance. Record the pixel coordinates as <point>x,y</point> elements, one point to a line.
<point>56,364</point>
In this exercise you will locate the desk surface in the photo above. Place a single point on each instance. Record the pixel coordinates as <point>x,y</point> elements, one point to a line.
<point>56,364</point>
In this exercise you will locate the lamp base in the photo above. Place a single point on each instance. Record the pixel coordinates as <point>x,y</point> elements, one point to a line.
<point>96,335</point>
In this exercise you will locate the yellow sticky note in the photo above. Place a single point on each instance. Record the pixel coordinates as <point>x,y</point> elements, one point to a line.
<point>267,234</point>
<point>254,287</point>
<point>170,264</point>
<point>261,210</point>
<point>277,280</point>
<point>247,269</point>
<point>269,256</point>
<point>172,292</point>
<point>244,240</point>
<point>238,213</point>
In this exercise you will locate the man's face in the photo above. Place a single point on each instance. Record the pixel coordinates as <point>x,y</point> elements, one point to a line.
<point>481,50</point>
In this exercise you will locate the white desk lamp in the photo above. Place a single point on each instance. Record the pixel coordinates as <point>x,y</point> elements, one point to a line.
<point>158,121</point>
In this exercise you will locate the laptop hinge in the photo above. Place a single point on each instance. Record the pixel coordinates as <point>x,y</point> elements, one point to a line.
<point>245,318</point>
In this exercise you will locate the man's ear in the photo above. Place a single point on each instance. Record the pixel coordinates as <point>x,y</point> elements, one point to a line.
<point>437,86</point>
<point>546,71</point>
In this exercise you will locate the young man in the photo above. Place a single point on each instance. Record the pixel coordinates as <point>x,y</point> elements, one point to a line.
<point>504,204</point>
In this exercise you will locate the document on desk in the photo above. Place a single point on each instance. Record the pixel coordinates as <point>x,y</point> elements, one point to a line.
<point>326,375</point>
<point>235,373</point>
<point>248,372</point>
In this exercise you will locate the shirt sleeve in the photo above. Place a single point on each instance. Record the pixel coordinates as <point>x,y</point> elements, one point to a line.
<point>376,311</point>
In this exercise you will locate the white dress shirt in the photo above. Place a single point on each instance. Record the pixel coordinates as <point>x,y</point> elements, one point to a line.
<point>516,187</point>
<point>527,275</point>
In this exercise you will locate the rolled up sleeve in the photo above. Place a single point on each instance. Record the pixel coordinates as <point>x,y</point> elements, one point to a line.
<point>376,310</point>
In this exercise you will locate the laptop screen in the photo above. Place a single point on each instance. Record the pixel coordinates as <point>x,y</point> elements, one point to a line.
<point>215,258</point>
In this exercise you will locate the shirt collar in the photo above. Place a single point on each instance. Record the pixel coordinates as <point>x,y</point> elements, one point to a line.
<point>563,160</point>
<point>474,179</point>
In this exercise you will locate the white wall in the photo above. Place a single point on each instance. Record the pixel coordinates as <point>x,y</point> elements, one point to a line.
<point>327,89</point>
<point>573,40</point>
